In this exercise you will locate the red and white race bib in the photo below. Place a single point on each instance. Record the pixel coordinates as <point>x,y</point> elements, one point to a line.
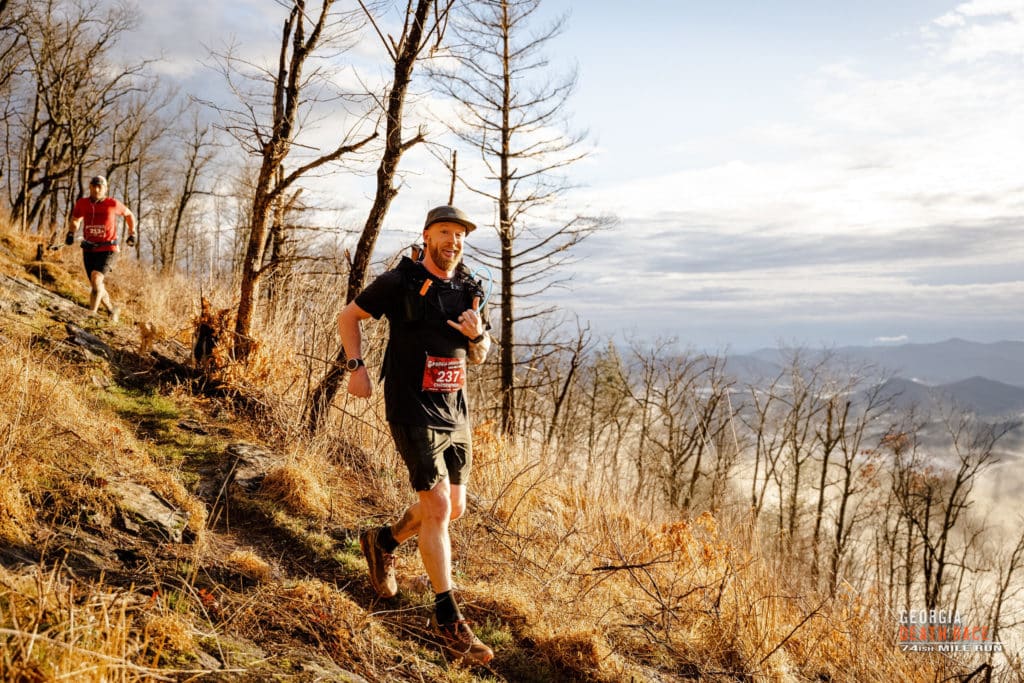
<point>95,233</point>
<point>444,375</point>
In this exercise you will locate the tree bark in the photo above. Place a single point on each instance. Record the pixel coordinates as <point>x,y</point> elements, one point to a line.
<point>405,58</point>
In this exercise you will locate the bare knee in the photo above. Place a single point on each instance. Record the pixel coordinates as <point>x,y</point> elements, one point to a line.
<point>458,496</point>
<point>436,505</point>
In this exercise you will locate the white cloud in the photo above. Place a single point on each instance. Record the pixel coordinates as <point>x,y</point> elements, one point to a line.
<point>881,155</point>
<point>881,208</point>
<point>984,28</point>
<point>898,339</point>
<point>982,8</point>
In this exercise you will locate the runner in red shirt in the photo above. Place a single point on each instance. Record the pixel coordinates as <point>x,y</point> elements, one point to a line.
<point>98,214</point>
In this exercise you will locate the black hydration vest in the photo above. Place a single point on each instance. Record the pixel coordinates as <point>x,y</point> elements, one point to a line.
<point>421,304</point>
<point>424,300</point>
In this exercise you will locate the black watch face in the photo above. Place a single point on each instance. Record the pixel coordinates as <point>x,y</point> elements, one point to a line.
<point>353,364</point>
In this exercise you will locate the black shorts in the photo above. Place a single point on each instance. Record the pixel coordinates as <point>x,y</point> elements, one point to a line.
<point>101,261</point>
<point>433,455</point>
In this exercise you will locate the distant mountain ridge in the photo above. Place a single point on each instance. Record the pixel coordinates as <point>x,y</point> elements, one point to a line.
<point>986,378</point>
<point>985,397</point>
<point>946,362</point>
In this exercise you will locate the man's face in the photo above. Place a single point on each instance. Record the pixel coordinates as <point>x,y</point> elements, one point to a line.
<point>97,191</point>
<point>443,242</point>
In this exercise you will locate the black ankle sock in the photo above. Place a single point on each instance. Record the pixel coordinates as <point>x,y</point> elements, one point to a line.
<point>446,609</point>
<point>386,540</point>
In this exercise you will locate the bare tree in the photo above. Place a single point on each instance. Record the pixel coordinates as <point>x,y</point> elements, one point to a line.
<point>12,44</point>
<point>138,161</point>
<point>513,114</point>
<point>760,420</point>
<point>562,384</point>
<point>802,398</point>
<point>597,419</point>
<point>689,414</point>
<point>934,492</point>
<point>642,382</point>
<point>1008,590</point>
<point>13,54</point>
<point>417,34</point>
<point>199,152</point>
<point>268,124</point>
<point>849,414</point>
<point>70,90</point>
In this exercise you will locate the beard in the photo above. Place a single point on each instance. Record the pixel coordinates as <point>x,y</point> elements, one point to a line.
<point>442,260</point>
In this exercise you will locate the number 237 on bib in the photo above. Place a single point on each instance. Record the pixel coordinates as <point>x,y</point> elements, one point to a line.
<point>444,374</point>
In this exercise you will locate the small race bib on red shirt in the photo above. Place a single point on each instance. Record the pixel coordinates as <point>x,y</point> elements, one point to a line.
<point>444,375</point>
<point>95,233</point>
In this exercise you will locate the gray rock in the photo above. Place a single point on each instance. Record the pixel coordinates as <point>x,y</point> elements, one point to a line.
<point>27,297</point>
<point>88,341</point>
<point>250,464</point>
<point>144,512</point>
<point>194,426</point>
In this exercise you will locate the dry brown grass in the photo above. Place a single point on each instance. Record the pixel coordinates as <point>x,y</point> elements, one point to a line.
<point>316,612</point>
<point>299,487</point>
<point>169,301</point>
<point>57,632</point>
<point>250,565</point>
<point>685,594</point>
<point>56,439</point>
<point>166,636</point>
<point>585,584</point>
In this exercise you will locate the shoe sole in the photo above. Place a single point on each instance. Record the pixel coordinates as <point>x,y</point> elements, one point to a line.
<point>364,545</point>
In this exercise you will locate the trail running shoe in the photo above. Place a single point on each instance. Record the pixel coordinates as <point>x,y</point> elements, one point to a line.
<point>380,564</point>
<point>459,642</point>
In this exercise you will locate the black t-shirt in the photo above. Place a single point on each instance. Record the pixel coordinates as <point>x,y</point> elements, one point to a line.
<point>417,314</point>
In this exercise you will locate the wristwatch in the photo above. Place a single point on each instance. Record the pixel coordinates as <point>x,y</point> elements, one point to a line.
<point>477,339</point>
<point>353,364</point>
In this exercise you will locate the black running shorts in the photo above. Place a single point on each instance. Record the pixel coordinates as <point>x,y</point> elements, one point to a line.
<point>101,261</point>
<point>433,455</point>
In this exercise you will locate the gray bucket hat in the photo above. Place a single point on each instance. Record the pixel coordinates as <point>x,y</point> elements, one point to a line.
<point>449,214</point>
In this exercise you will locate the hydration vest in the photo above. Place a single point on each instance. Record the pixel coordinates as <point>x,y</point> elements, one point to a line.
<point>418,307</point>
<point>418,304</point>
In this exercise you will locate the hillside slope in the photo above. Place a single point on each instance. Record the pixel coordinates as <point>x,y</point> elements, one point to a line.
<point>158,524</point>
<point>173,513</point>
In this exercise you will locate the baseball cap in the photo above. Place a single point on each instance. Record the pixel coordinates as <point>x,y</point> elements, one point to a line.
<point>450,214</point>
<point>98,180</point>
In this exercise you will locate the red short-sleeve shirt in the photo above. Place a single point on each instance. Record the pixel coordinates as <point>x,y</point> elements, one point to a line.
<point>99,220</point>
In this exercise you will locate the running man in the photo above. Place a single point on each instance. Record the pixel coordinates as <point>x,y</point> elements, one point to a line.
<point>99,213</point>
<point>436,326</point>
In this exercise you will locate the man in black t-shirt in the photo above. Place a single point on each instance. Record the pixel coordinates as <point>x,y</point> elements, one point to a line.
<point>432,307</point>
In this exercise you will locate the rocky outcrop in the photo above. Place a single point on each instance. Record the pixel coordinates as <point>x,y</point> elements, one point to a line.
<point>146,513</point>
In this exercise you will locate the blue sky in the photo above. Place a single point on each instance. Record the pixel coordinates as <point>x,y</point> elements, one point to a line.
<point>822,173</point>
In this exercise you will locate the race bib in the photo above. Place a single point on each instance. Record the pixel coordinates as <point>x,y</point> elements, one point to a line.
<point>444,375</point>
<point>94,233</point>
